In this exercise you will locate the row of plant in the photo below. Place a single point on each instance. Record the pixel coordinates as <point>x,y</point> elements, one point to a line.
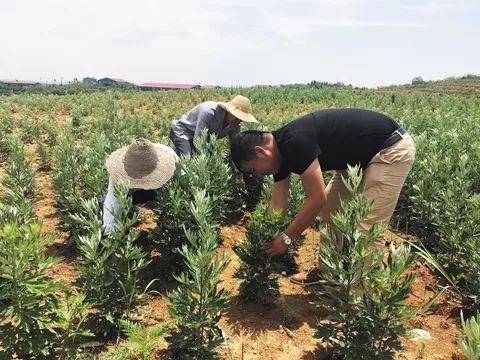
<point>40,317</point>
<point>441,200</point>
<point>190,210</point>
<point>198,303</point>
<point>111,268</point>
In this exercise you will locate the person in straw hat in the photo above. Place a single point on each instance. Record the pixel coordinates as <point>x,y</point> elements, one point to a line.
<point>219,118</point>
<point>142,165</point>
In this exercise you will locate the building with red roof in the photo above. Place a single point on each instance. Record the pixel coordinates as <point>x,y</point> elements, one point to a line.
<point>167,86</point>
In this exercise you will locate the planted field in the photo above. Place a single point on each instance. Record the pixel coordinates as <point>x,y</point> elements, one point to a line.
<point>184,277</point>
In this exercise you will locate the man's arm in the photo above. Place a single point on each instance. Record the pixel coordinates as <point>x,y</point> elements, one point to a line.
<point>279,200</point>
<point>314,186</point>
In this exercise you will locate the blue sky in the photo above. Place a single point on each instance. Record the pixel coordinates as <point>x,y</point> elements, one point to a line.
<point>364,43</point>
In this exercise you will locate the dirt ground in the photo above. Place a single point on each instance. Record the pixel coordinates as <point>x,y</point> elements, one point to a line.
<point>285,330</point>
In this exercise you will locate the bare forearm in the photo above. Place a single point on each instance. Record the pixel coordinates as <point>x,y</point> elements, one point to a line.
<point>279,204</point>
<point>304,219</point>
<point>279,199</point>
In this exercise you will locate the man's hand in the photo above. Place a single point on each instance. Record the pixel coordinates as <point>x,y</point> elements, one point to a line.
<point>275,248</point>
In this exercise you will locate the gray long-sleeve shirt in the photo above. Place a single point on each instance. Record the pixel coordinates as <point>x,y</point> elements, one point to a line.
<point>208,115</point>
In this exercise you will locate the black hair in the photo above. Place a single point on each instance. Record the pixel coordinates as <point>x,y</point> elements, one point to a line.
<point>242,146</point>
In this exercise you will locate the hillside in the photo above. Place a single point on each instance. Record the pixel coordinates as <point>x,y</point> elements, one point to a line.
<point>469,84</point>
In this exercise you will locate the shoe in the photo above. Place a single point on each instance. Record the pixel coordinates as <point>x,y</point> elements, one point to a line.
<point>311,277</point>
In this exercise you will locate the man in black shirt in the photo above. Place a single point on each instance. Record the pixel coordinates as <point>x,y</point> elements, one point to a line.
<point>328,140</point>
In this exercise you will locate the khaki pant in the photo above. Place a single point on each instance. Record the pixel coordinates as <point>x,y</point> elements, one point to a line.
<point>383,180</point>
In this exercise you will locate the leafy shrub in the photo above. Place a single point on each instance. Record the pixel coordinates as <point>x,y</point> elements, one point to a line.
<point>140,342</point>
<point>6,127</point>
<point>38,316</point>
<point>470,341</point>
<point>206,170</point>
<point>365,296</point>
<point>29,129</point>
<point>19,182</point>
<point>110,266</point>
<point>71,327</point>
<point>27,296</point>
<point>296,194</point>
<point>67,177</point>
<point>257,269</point>
<point>197,304</point>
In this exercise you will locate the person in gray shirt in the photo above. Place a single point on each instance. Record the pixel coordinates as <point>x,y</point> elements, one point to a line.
<point>219,118</point>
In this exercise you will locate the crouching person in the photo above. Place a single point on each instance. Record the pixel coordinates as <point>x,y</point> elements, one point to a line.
<point>220,118</point>
<point>328,140</point>
<point>144,167</point>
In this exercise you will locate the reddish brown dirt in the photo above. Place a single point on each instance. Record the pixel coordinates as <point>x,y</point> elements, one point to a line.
<point>285,330</point>
<point>46,212</point>
<point>441,319</point>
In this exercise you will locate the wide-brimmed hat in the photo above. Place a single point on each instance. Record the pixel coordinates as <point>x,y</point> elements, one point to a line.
<point>142,165</point>
<point>239,107</point>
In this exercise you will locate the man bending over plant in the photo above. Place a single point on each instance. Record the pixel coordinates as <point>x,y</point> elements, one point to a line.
<point>144,167</point>
<point>328,140</point>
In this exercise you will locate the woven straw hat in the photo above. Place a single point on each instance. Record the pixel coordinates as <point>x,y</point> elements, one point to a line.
<point>141,165</point>
<point>239,107</point>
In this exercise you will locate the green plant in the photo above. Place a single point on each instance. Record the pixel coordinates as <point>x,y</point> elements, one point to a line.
<point>71,330</point>
<point>421,351</point>
<point>257,269</point>
<point>206,170</point>
<point>110,266</point>
<point>29,129</point>
<point>470,341</point>
<point>94,177</point>
<point>364,295</point>
<point>198,303</point>
<point>140,342</point>
<point>50,131</point>
<point>67,177</point>
<point>79,172</point>
<point>6,127</point>
<point>172,215</point>
<point>44,153</point>
<point>18,182</point>
<point>28,297</point>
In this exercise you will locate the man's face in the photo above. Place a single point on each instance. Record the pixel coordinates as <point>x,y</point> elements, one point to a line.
<point>265,163</point>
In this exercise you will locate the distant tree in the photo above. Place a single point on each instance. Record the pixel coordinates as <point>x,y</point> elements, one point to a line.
<point>417,80</point>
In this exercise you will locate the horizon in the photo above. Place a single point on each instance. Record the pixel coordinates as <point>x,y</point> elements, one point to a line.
<point>69,82</point>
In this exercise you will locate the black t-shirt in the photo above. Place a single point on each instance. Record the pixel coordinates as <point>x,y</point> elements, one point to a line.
<point>337,137</point>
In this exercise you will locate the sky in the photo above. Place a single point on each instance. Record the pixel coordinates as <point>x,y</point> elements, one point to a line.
<point>240,42</point>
